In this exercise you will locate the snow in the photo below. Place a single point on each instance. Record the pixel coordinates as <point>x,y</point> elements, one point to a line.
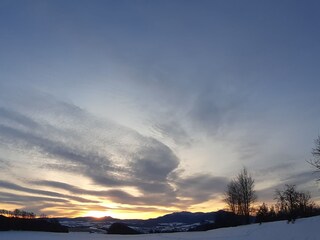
<point>302,229</point>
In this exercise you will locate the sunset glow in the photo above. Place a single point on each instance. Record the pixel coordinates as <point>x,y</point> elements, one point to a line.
<point>96,214</point>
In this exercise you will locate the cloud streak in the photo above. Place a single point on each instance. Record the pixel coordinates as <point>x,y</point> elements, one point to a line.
<point>148,166</point>
<point>56,195</point>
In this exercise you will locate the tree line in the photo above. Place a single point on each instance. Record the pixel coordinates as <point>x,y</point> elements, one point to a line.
<point>20,220</point>
<point>290,205</point>
<point>240,197</point>
<point>17,213</point>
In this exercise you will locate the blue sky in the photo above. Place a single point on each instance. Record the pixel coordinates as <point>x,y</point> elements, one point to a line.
<point>154,106</point>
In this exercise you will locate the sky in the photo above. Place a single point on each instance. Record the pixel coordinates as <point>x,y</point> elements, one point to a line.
<point>137,108</point>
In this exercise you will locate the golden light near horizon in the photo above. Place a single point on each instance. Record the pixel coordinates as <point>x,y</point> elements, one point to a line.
<point>121,215</point>
<point>127,212</point>
<point>97,214</point>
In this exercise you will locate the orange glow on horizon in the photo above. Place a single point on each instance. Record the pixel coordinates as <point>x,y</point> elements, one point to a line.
<point>97,214</point>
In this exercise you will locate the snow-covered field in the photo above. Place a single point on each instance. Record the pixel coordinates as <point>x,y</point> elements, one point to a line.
<point>303,229</point>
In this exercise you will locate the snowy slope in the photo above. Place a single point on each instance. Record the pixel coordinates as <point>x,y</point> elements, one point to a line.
<point>303,229</point>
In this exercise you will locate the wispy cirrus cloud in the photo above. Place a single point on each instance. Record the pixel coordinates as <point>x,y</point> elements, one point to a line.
<point>56,195</point>
<point>146,165</point>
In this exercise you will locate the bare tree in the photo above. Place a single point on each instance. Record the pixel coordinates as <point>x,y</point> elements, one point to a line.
<point>16,213</point>
<point>240,194</point>
<point>292,203</point>
<point>316,155</point>
<point>262,213</point>
<point>232,196</point>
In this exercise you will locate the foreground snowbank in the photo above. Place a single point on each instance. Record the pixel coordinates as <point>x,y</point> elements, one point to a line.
<point>303,229</point>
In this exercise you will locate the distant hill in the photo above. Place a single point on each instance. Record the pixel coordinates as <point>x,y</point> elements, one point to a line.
<point>185,217</point>
<point>173,222</point>
<point>176,217</point>
<point>91,219</point>
<point>121,228</point>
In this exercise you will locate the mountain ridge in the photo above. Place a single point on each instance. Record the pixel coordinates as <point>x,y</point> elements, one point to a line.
<point>170,217</point>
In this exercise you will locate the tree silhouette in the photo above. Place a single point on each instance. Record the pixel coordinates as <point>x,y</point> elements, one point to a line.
<point>240,194</point>
<point>292,204</point>
<point>316,155</point>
